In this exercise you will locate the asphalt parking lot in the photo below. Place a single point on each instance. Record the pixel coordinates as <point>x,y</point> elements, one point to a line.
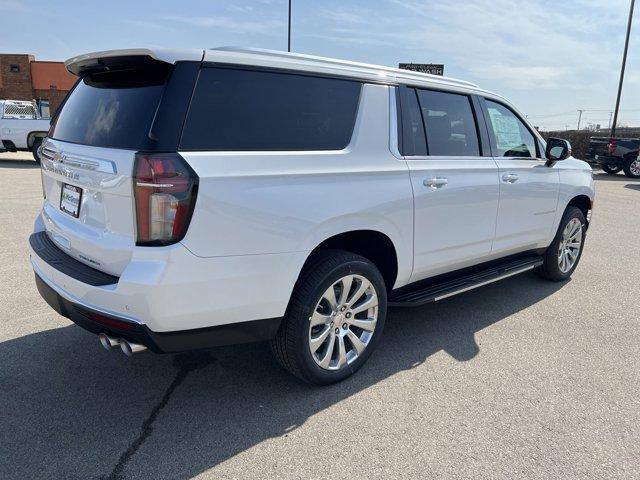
<point>519,379</point>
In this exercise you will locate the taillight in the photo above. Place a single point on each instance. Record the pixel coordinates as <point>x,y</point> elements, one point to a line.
<point>612,146</point>
<point>165,190</point>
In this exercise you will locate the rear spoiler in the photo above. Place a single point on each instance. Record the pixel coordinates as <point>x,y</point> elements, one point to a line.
<point>115,59</point>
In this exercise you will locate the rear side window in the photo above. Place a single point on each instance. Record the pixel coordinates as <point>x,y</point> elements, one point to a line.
<point>413,139</point>
<point>450,124</point>
<point>512,138</point>
<point>112,109</point>
<point>235,109</point>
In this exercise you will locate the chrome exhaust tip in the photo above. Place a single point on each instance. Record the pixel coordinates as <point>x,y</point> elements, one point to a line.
<point>108,342</point>
<point>130,348</point>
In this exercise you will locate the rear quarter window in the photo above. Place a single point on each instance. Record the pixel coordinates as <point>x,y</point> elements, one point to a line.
<point>244,110</point>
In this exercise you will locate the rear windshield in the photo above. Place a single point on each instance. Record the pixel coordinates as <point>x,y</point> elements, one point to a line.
<point>113,109</point>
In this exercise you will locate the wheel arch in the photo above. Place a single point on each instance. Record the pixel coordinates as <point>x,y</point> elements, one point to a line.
<point>583,203</point>
<point>371,244</point>
<point>33,135</point>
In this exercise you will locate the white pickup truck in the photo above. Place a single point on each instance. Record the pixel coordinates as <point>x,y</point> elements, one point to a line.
<point>21,127</point>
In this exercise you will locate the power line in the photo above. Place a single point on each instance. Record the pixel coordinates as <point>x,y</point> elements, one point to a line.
<point>621,110</point>
<point>572,112</point>
<point>552,114</point>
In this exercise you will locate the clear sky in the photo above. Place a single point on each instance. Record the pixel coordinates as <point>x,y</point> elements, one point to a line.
<point>549,57</point>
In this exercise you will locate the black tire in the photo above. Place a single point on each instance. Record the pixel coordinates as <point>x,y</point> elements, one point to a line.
<point>34,149</point>
<point>291,344</point>
<point>550,269</point>
<point>632,167</point>
<point>611,169</point>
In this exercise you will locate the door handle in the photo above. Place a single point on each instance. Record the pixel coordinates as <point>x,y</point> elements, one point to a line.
<point>435,182</point>
<point>510,178</point>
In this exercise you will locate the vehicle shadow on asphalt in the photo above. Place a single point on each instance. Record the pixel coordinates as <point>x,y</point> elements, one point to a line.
<point>619,177</point>
<point>72,410</point>
<point>7,163</point>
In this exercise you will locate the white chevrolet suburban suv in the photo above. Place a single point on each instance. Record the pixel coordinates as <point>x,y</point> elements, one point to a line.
<point>201,198</point>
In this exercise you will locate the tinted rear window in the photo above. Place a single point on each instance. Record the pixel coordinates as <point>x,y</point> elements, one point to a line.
<point>253,110</point>
<point>111,110</point>
<point>450,124</point>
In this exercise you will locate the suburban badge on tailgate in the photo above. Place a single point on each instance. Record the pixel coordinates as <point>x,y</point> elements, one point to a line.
<point>90,260</point>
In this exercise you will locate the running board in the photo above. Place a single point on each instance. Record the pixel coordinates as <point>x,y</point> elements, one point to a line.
<point>413,297</point>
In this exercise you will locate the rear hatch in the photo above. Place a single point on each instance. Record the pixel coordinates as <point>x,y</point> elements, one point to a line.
<point>121,105</point>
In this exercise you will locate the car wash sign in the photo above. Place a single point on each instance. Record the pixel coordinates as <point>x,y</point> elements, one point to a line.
<point>431,68</point>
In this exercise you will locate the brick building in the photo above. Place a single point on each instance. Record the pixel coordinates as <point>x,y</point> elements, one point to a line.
<point>22,77</point>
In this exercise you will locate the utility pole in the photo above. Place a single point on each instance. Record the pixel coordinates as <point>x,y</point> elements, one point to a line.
<point>579,118</point>
<point>610,115</point>
<point>624,64</point>
<point>289,36</point>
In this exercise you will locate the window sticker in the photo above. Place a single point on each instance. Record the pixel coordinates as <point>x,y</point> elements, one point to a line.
<point>506,129</point>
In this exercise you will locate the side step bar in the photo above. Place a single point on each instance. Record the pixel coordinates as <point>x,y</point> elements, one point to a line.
<point>437,290</point>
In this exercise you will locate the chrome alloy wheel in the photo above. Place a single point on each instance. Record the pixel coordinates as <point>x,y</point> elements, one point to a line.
<point>634,168</point>
<point>569,248</point>
<point>343,322</point>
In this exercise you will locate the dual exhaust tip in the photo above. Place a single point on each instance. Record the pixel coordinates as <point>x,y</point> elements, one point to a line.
<point>127,347</point>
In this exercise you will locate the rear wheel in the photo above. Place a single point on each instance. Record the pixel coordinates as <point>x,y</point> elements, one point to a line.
<point>611,169</point>
<point>632,167</point>
<point>334,319</point>
<point>563,255</point>
<point>35,149</point>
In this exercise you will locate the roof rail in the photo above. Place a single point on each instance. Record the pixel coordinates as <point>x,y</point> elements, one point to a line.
<point>345,63</point>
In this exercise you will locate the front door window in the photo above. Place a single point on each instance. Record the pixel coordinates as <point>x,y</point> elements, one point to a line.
<point>513,139</point>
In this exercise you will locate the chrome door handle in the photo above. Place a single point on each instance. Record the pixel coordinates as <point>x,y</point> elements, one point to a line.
<point>435,182</point>
<point>510,178</point>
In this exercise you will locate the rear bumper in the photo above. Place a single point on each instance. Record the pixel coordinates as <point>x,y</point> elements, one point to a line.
<point>173,299</point>
<point>159,342</point>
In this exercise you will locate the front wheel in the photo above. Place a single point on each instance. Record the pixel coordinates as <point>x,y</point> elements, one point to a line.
<point>563,255</point>
<point>334,319</point>
<point>611,169</point>
<point>632,167</point>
